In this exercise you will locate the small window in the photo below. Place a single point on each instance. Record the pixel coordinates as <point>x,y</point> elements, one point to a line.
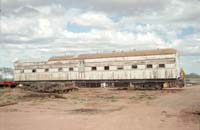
<point>149,66</point>
<point>120,67</point>
<point>82,62</point>
<point>71,69</point>
<point>33,70</point>
<point>46,70</point>
<point>60,69</point>
<point>106,67</point>
<point>134,66</point>
<point>161,65</point>
<point>94,68</point>
<point>21,71</point>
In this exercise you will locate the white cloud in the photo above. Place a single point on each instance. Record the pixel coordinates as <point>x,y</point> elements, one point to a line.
<point>41,27</point>
<point>196,61</point>
<point>189,45</point>
<point>94,19</point>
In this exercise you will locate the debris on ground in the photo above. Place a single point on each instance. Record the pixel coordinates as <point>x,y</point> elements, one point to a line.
<point>50,87</point>
<point>7,104</point>
<point>94,110</point>
<point>44,95</point>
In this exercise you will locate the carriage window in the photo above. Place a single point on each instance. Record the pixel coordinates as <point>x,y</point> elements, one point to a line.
<point>46,70</point>
<point>60,69</point>
<point>82,62</point>
<point>71,69</point>
<point>33,70</point>
<point>21,71</point>
<point>120,67</point>
<point>106,67</point>
<point>149,66</point>
<point>161,65</point>
<point>134,66</point>
<point>94,68</point>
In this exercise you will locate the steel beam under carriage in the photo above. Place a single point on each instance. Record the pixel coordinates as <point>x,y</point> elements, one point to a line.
<point>129,80</point>
<point>146,83</point>
<point>107,81</point>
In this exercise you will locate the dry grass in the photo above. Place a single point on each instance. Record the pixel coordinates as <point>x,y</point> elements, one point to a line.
<point>6,97</point>
<point>101,99</point>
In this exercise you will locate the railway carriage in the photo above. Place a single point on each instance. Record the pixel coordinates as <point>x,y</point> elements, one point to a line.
<point>139,69</point>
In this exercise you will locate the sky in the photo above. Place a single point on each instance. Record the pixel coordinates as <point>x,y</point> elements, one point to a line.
<point>36,29</point>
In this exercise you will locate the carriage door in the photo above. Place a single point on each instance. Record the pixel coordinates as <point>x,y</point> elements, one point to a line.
<point>81,69</point>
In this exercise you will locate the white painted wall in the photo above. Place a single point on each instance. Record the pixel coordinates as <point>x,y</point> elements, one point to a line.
<point>170,70</point>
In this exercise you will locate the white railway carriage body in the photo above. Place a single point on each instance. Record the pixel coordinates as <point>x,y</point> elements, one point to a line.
<point>161,65</point>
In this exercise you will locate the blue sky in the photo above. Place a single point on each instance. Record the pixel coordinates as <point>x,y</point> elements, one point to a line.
<point>35,29</point>
<point>72,27</point>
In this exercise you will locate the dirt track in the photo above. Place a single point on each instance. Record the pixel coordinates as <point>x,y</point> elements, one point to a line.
<point>105,109</point>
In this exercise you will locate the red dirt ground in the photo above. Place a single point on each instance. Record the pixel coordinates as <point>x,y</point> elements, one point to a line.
<point>107,109</point>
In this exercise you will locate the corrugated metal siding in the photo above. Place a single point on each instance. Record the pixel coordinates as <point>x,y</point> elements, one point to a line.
<point>82,69</point>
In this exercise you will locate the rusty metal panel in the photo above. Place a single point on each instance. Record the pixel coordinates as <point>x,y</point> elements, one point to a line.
<point>136,58</point>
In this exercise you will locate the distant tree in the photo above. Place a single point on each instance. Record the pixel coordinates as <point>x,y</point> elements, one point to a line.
<point>193,75</point>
